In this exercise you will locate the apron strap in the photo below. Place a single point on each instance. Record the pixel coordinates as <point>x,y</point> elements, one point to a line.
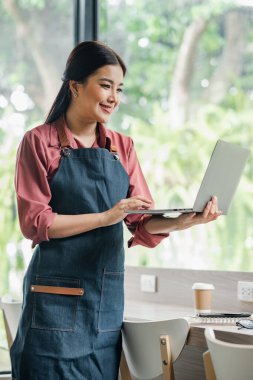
<point>109,146</point>
<point>108,143</point>
<point>64,141</point>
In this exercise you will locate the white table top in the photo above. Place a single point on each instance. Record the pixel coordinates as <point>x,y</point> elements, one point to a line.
<point>157,311</point>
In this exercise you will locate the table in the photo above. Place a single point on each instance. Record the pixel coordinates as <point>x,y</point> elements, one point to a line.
<point>189,365</point>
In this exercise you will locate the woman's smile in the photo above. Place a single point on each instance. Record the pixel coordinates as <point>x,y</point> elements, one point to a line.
<point>107,109</point>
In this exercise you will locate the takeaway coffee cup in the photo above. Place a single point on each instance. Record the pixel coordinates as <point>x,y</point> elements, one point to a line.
<point>203,294</point>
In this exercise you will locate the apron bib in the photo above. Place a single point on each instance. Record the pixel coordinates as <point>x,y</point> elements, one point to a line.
<point>76,334</point>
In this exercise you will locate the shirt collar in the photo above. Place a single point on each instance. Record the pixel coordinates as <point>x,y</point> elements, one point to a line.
<point>54,140</point>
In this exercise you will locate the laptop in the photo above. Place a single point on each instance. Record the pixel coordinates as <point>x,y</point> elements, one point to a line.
<point>221,178</point>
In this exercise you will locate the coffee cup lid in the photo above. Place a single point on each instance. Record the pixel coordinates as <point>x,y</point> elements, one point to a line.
<point>203,286</point>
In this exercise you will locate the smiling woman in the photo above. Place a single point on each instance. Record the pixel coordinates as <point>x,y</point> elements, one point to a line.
<point>94,101</point>
<point>75,179</point>
<point>75,201</point>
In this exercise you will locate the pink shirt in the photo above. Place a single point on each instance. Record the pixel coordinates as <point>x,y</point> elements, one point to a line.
<point>38,159</point>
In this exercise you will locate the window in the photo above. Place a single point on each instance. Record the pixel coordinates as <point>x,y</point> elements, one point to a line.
<point>36,37</point>
<point>189,82</point>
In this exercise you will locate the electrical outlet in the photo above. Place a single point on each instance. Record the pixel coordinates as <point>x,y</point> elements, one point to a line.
<point>148,283</point>
<point>245,291</point>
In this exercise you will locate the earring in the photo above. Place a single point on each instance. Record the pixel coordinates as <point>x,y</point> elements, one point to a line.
<point>75,94</point>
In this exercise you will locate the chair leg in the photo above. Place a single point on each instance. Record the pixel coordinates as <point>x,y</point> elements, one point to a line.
<point>7,330</point>
<point>208,365</point>
<point>124,370</point>
<point>168,373</point>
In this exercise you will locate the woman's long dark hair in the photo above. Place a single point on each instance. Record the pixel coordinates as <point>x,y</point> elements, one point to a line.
<point>83,61</point>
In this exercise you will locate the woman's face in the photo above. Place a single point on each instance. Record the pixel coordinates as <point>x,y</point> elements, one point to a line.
<point>98,97</point>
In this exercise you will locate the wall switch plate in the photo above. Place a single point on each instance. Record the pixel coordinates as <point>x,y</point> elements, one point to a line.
<point>245,291</point>
<point>148,283</point>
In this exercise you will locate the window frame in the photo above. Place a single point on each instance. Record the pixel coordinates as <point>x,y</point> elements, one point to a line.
<point>85,20</point>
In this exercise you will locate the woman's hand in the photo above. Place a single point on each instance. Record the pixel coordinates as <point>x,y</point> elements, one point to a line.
<point>161,225</point>
<point>209,214</point>
<point>117,212</point>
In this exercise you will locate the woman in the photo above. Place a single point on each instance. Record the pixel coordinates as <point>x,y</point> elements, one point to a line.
<point>74,180</point>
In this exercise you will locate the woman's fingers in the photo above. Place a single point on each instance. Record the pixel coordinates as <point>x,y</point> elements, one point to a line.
<point>137,202</point>
<point>214,206</point>
<point>207,209</point>
<point>210,213</point>
<point>118,211</point>
<point>211,208</point>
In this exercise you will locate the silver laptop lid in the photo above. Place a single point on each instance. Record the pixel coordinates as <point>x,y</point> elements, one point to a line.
<point>222,175</point>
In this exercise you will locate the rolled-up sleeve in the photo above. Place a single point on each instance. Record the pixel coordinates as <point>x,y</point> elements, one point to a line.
<point>135,222</point>
<point>32,188</point>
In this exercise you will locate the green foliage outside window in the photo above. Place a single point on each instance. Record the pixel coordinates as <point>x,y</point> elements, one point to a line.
<point>189,83</point>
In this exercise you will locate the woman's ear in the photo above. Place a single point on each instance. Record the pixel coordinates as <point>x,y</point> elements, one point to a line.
<point>73,88</point>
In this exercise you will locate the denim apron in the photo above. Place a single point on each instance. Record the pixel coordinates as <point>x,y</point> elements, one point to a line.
<point>73,289</point>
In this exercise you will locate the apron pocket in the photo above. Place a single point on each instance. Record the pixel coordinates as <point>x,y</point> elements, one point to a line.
<point>55,303</point>
<point>111,302</point>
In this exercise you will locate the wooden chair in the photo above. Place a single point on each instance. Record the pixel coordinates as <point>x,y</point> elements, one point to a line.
<point>227,361</point>
<point>11,313</point>
<point>151,347</point>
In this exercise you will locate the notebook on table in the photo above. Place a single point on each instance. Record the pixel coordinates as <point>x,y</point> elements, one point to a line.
<point>220,318</point>
<point>221,179</point>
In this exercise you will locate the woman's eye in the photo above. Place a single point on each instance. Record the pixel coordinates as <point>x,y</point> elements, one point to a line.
<point>119,90</point>
<point>105,85</point>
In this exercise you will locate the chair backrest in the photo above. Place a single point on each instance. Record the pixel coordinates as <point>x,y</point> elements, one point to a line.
<point>142,345</point>
<point>230,361</point>
<point>11,311</point>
